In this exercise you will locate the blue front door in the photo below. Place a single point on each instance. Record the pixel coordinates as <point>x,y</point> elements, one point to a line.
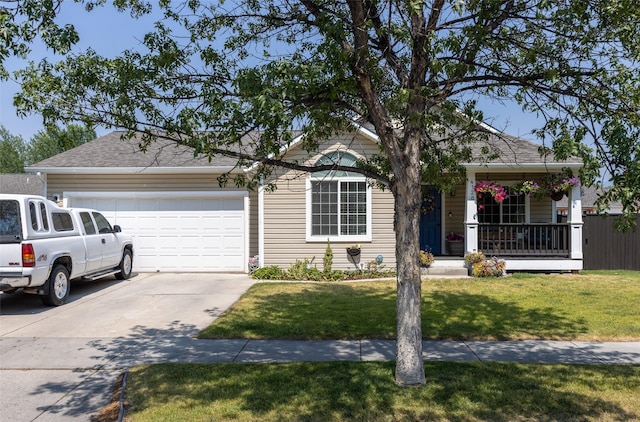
<point>430,221</point>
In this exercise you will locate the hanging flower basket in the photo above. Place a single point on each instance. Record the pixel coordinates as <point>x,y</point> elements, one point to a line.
<point>556,196</point>
<point>559,185</point>
<point>527,187</point>
<point>497,192</point>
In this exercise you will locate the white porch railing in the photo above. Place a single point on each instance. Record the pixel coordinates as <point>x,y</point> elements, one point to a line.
<point>551,240</point>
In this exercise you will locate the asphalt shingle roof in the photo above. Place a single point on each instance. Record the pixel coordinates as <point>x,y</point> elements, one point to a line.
<point>514,150</point>
<point>111,151</point>
<point>24,184</point>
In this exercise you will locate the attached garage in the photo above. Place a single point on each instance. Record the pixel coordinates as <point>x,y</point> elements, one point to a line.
<point>178,231</point>
<point>170,200</point>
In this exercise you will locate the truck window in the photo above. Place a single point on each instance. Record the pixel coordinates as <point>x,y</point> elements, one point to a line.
<point>89,228</point>
<point>103,224</point>
<point>9,219</point>
<point>43,215</point>
<point>34,216</point>
<point>62,221</point>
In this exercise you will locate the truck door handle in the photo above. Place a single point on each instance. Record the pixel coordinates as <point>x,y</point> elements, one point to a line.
<point>104,241</point>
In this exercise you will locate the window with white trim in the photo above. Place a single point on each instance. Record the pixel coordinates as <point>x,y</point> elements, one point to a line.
<point>339,202</point>
<point>512,210</point>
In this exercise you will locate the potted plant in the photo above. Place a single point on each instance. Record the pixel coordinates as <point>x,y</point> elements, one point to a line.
<point>455,243</point>
<point>353,250</point>
<point>426,258</point>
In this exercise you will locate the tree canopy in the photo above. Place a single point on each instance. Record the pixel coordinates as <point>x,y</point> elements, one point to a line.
<point>211,72</point>
<point>23,22</point>
<point>53,140</point>
<point>229,67</point>
<point>15,153</point>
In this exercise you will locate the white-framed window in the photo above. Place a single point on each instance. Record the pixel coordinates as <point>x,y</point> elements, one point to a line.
<point>514,209</point>
<point>338,202</point>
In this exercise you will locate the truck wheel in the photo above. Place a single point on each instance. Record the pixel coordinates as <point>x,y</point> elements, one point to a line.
<point>58,287</point>
<point>125,265</point>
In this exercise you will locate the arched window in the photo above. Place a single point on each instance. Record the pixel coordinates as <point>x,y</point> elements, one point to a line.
<point>338,158</point>
<point>338,201</point>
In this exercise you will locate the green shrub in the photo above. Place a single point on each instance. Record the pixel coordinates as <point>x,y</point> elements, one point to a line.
<point>313,274</point>
<point>299,271</point>
<point>334,275</point>
<point>272,272</point>
<point>327,262</point>
<point>493,267</point>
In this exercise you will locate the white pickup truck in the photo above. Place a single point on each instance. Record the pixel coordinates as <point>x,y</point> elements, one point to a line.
<point>44,246</point>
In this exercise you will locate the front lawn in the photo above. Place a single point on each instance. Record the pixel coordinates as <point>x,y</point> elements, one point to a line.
<point>587,307</point>
<point>591,306</point>
<point>364,391</point>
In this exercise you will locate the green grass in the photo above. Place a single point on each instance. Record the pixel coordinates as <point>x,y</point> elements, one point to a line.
<point>595,306</point>
<point>590,306</point>
<point>348,391</point>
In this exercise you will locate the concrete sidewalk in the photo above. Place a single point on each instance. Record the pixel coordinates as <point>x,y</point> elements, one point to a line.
<point>120,353</point>
<point>69,379</point>
<point>60,364</point>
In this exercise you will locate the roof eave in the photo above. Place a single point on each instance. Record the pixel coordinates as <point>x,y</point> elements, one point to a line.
<point>555,166</point>
<point>135,170</point>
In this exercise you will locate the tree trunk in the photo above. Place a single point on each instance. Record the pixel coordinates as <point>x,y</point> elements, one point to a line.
<point>407,197</point>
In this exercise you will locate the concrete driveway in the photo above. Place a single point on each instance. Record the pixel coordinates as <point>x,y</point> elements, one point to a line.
<point>60,364</point>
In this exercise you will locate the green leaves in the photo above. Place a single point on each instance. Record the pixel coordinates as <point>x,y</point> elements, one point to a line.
<point>22,22</point>
<point>270,66</point>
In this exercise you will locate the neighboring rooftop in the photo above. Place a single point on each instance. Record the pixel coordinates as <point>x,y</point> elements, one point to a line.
<point>589,195</point>
<point>25,184</point>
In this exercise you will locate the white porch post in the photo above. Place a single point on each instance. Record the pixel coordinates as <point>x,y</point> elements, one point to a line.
<point>261,223</point>
<point>470,215</point>
<point>575,222</point>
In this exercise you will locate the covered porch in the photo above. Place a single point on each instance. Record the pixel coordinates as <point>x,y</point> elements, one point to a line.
<point>523,231</point>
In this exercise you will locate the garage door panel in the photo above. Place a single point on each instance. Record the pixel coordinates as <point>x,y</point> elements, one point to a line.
<point>233,223</point>
<point>234,243</point>
<point>185,234</point>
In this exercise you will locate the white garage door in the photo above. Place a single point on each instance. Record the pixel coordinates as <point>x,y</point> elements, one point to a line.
<point>173,233</point>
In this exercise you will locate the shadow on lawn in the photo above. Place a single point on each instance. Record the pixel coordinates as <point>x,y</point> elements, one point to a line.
<point>365,391</point>
<point>345,311</point>
<point>464,316</point>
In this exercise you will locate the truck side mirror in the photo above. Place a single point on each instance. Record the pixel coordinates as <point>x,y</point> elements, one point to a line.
<point>117,229</point>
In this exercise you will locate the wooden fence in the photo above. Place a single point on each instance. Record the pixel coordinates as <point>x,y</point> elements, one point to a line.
<point>605,248</point>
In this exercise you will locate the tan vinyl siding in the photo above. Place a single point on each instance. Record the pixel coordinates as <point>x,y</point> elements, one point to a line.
<point>285,218</point>
<point>454,205</point>
<point>541,210</point>
<point>285,231</point>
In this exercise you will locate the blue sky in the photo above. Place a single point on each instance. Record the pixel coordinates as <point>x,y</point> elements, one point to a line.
<point>110,32</point>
